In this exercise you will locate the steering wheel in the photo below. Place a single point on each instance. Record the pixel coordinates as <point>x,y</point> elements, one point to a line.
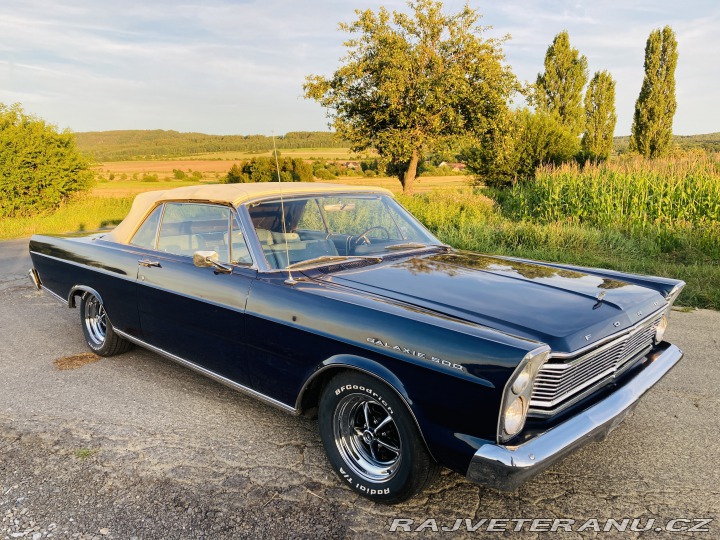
<point>365,239</point>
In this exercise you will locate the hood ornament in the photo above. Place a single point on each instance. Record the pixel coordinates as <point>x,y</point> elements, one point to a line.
<point>599,297</point>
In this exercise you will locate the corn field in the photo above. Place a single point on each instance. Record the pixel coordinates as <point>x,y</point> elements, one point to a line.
<point>632,193</point>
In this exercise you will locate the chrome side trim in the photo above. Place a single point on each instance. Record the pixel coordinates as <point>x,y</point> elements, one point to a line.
<point>507,467</point>
<point>210,374</point>
<point>87,266</point>
<point>54,295</point>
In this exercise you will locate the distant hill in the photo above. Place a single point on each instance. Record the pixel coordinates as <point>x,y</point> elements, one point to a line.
<point>160,144</point>
<point>708,141</point>
<point>150,144</point>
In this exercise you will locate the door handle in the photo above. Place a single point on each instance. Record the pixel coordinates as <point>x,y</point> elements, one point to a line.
<point>148,263</point>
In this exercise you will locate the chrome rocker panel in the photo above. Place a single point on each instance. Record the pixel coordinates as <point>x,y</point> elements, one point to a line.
<point>208,373</point>
<point>507,467</point>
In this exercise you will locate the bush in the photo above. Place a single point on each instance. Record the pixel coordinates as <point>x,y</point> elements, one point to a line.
<point>323,174</point>
<point>40,168</point>
<point>264,169</point>
<point>514,151</point>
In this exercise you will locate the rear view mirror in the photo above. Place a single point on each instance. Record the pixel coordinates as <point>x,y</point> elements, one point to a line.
<point>340,207</point>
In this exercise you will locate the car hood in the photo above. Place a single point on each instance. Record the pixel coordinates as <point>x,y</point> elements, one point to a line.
<point>524,298</point>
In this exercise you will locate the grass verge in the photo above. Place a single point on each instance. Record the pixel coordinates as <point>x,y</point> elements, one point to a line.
<point>84,214</point>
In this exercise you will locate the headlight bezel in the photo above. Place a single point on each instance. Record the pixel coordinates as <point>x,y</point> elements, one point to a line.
<point>512,394</point>
<point>660,328</point>
<point>674,293</point>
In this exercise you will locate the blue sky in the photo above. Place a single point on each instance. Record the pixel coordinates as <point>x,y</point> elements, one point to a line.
<point>237,67</point>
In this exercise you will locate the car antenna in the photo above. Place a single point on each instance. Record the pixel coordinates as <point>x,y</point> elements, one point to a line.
<point>290,280</point>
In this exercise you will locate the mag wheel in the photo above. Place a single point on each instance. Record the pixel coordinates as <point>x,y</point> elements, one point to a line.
<point>371,439</point>
<point>98,330</point>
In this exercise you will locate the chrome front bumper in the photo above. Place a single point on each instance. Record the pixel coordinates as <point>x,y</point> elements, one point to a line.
<point>507,467</point>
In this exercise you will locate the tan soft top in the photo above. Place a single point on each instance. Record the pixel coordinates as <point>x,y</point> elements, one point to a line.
<point>234,194</point>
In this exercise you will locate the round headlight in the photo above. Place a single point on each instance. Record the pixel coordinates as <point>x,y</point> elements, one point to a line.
<point>660,329</point>
<point>521,382</point>
<point>515,416</point>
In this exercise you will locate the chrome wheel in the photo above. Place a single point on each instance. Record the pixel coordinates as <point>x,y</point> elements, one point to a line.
<point>367,438</point>
<point>95,320</point>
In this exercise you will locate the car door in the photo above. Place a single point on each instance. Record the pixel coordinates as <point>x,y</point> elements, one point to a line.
<point>197,313</point>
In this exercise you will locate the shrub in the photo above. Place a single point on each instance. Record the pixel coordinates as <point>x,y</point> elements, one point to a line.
<point>264,169</point>
<point>40,168</point>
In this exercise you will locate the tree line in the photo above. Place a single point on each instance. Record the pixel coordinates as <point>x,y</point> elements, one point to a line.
<point>139,144</point>
<point>412,83</point>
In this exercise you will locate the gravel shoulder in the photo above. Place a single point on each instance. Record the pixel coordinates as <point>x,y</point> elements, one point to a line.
<point>135,446</point>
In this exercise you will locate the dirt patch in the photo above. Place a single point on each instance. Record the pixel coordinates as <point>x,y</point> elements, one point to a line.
<point>76,361</point>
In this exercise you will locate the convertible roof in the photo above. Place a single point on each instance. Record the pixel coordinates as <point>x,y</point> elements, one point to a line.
<point>234,194</point>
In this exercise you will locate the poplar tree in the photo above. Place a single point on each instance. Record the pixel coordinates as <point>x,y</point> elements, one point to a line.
<point>600,117</point>
<point>655,107</point>
<point>558,91</point>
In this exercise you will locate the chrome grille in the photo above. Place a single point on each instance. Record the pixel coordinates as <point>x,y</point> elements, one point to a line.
<point>561,380</point>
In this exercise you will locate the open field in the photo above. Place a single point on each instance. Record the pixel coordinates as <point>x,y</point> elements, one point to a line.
<point>298,153</point>
<point>164,169</point>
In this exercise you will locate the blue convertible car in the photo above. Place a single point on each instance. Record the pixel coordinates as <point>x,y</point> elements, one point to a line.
<point>332,300</point>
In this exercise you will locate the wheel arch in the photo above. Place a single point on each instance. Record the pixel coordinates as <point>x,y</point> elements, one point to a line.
<point>79,290</point>
<point>309,396</point>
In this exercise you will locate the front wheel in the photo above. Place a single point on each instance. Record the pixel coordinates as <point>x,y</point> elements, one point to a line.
<point>371,440</point>
<point>98,330</point>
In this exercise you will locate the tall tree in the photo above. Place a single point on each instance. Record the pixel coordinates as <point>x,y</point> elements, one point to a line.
<point>411,81</point>
<point>600,117</point>
<point>558,91</point>
<point>655,107</point>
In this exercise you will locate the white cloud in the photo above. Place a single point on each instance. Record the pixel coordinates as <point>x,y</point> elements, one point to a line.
<point>231,66</point>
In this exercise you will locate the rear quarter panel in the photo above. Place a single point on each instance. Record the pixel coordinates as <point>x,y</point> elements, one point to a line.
<point>63,262</point>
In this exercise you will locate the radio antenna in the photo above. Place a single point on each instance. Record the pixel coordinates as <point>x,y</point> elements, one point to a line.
<point>289,280</point>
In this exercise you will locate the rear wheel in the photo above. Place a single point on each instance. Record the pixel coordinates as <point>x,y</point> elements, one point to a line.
<point>371,439</point>
<point>98,330</point>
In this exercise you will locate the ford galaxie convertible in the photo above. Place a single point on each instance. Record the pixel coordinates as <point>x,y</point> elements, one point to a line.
<point>332,300</point>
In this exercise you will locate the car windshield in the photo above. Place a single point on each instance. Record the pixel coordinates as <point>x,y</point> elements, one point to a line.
<point>326,229</point>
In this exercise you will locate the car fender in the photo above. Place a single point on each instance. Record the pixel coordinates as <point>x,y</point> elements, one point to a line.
<point>77,290</point>
<point>340,362</point>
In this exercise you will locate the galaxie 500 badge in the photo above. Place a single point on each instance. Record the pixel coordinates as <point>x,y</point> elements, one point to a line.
<point>417,354</point>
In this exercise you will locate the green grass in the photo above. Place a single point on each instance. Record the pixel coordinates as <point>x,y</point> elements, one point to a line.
<point>84,214</point>
<point>84,453</point>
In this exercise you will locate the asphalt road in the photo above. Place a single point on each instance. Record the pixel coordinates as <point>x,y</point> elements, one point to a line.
<point>135,446</point>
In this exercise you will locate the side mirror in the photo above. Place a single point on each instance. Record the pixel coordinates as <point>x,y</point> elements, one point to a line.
<point>209,259</point>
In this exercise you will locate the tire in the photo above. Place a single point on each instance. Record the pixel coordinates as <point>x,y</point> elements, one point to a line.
<point>98,330</point>
<point>387,465</point>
